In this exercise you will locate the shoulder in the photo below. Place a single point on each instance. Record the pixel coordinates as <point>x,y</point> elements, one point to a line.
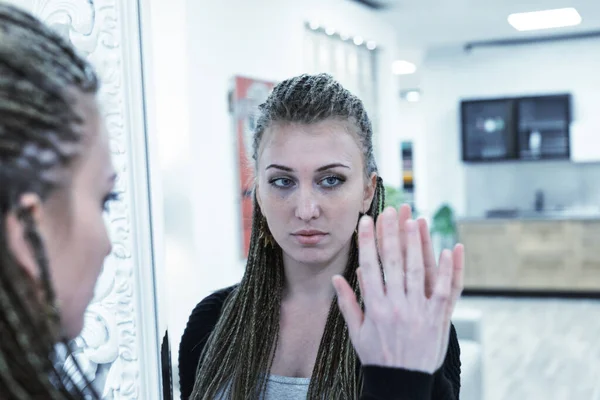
<point>209,308</point>
<point>204,317</point>
<point>201,323</point>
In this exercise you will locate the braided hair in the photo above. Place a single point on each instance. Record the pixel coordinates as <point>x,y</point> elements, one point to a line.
<point>40,137</point>
<point>239,353</point>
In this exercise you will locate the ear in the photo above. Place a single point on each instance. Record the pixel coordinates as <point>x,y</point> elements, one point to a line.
<point>258,199</point>
<point>15,230</point>
<point>369,192</point>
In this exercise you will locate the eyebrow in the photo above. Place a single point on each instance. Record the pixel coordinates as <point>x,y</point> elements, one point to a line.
<point>113,177</point>
<point>320,169</point>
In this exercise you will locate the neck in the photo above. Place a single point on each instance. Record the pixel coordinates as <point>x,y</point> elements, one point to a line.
<point>312,282</point>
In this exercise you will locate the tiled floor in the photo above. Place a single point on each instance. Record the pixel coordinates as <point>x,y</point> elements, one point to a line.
<point>544,349</point>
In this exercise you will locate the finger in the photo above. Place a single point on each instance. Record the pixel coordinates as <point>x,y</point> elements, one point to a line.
<point>391,256</point>
<point>441,296</point>
<point>415,271</point>
<point>428,257</point>
<point>458,274</point>
<point>404,214</point>
<point>361,284</point>
<point>348,305</point>
<point>368,261</point>
<point>379,232</point>
<point>456,287</point>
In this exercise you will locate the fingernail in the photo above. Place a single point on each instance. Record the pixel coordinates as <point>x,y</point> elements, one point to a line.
<point>364,222</point>
<point>411,226</point>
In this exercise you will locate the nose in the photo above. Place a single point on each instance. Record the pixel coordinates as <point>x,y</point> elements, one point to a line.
<point>308,206</point>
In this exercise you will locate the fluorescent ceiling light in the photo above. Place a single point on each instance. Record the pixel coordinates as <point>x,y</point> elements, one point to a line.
<point>401,67</point>
<point>558,18</point>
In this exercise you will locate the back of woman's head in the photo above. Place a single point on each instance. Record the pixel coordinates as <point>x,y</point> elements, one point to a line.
<point>41,136</point>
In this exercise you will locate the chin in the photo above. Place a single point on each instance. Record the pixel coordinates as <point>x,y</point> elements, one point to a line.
<point>73,326</point>
<point>73,330</point>
<point>309,255</point>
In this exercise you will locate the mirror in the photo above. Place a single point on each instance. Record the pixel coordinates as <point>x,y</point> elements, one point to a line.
<point>118,349</point>
<point>529,225</point>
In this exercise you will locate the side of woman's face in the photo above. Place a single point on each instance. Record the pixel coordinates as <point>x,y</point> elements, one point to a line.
<point>311,187</point>
<point>77,256</point>
<point>71,224</point>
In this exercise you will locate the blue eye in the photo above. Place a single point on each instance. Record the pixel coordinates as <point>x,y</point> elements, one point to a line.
<point>331,181</point>
<point>282,183</point>
<point>109,198</point>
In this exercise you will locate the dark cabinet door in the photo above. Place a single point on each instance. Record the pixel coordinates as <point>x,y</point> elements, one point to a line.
<point>488,130</point>
<point>543,127</point>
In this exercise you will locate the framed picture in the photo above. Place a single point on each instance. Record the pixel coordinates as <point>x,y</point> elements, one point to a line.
<point>247,94</point>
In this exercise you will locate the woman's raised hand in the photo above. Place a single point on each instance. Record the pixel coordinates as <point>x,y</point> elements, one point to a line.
<point>406,321</point>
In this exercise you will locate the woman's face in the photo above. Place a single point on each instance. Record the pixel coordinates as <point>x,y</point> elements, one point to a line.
<point>72,226</point>
<point>311,188</point>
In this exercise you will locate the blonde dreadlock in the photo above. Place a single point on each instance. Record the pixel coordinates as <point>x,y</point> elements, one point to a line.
<point>239,353</point>
<point>38,128</point>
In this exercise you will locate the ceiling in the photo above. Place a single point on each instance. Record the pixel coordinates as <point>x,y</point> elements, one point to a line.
<point>433,23</point>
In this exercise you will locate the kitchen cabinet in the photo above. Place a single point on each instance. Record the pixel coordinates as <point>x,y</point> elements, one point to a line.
<point>519,128</point>
<point>531,254</point>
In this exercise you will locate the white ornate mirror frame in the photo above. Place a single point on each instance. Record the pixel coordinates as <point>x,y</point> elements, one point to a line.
<point>119,348</point>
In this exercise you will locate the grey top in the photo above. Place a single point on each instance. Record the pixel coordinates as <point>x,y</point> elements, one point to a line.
<point>286,388</point>
<point>282,388</point>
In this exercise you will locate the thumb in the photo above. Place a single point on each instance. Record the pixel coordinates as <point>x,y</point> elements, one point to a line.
<point>349,307</point>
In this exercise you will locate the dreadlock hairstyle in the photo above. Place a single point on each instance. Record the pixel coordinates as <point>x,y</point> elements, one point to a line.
<point>40,137</point>
<point>239,353</point>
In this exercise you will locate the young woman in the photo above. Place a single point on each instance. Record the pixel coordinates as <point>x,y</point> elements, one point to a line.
<point>280,334</point>
<point>56,178</point>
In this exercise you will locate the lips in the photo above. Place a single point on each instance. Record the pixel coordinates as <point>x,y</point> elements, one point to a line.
<point>309,237</point>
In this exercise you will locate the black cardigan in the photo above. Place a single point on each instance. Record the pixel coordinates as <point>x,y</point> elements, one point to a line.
<point>379,383</point>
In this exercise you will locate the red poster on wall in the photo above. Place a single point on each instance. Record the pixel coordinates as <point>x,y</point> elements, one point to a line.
<point>247,95</point>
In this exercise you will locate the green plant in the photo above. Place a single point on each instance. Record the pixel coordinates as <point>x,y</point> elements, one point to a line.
<point>443,225</point>
<point>393,197</point>
<point>443,221</point>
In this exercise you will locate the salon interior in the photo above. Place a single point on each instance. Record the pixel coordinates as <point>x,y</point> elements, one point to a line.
<point>485,119</point>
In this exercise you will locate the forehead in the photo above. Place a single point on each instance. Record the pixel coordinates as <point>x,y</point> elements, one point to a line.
<point>321,142</point>
<point>96,157</point>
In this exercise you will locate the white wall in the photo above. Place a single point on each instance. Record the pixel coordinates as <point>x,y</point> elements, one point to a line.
<point>197,47</point>
<point>451,74</point>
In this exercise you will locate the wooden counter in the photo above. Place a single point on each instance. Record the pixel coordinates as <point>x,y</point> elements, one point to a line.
<point>531,254</point>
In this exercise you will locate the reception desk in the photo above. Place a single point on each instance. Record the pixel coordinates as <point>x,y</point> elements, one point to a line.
<point>531,254</point>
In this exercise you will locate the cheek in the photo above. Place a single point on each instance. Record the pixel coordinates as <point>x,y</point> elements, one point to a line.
<point>79,261</point>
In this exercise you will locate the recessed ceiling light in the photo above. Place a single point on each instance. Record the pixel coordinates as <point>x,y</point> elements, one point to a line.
<point>412,95</point>
<point>358,40</point>
<point>371,45</point>
<point>344,36</point>
<point>401,67</point>
<point>330,31</point>
<point>314,25</point>
<point>558,18</point>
